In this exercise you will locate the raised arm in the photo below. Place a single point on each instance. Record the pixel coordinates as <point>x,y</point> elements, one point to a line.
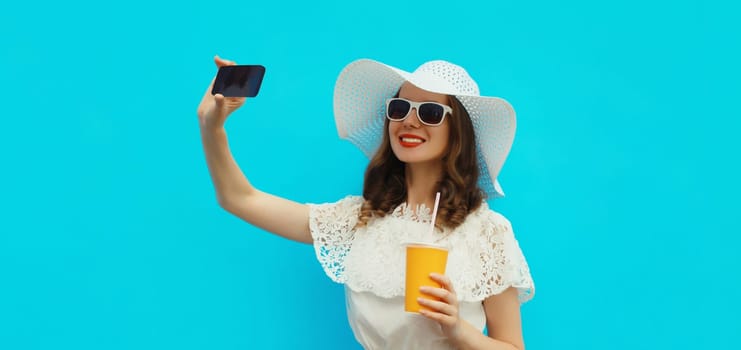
<point>233,191</point>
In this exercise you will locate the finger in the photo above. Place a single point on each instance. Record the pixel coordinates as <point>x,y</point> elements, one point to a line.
<point>220,62</point>
<point>438,317</point>
<point>219,99</point>
<point>438,306</point>
<point>231,104</point>
<point>438,293</point>
<point>443,280</point>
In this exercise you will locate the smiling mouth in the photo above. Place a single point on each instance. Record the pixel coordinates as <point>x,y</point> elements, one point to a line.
<point>410,141</point>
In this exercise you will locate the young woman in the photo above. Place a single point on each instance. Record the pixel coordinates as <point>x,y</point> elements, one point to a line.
<point>427,131</point>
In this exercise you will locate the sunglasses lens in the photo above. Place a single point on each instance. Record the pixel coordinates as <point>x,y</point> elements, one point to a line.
<point>397,109</point>
<point>431,113</point>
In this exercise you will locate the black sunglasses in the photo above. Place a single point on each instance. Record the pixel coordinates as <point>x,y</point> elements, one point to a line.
<point>429,113</point>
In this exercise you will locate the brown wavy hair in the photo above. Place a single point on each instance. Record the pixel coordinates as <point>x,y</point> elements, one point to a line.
<point>385,189</point>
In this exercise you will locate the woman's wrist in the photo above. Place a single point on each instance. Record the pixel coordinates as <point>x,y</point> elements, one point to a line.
<point>209,126</point>
<point>468,337</point>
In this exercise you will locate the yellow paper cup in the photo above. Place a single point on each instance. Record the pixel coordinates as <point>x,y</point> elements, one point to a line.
<point>422,259</point>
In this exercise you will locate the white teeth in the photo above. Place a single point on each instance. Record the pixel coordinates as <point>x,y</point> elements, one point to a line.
<point>410,140</point>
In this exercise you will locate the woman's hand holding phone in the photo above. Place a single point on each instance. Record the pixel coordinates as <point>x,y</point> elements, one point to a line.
<point>214,109</point>
<point>234,192</point>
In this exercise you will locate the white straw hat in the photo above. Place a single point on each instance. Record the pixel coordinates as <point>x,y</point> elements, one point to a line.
<point>360,105</point>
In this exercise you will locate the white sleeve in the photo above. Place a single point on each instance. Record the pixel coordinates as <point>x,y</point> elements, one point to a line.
<point>332,226</point>
<point>504,263</point>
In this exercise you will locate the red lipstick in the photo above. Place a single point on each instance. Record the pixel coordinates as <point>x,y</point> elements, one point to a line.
<point>410,141</point>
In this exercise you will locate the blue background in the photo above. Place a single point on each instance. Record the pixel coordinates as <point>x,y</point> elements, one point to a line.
<point>622,184</point>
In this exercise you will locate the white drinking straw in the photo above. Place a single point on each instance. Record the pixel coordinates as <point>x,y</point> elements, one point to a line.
<point>434,213</point>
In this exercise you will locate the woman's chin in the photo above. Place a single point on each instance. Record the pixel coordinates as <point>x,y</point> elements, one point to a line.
<point>413,158</point>
<point>411,155</point>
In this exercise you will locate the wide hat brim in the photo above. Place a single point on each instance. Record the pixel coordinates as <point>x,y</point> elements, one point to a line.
<point>360,97</point>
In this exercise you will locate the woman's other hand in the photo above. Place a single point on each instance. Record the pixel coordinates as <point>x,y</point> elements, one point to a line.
<point>445,311</point>
<point>214,109</point>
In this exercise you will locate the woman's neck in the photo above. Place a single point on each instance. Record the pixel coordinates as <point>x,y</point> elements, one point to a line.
<point>422,183</point>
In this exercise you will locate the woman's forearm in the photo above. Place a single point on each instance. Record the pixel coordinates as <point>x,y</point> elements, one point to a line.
<point>228,179</point>
<point>472,339</point>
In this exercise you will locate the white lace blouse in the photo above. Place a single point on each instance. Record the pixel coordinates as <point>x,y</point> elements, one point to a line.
<point>484,259</point>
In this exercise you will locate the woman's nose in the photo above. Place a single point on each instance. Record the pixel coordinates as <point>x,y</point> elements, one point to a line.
<point>412,120</point>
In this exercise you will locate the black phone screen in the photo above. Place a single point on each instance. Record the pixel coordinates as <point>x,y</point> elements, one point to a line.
<point>238,81</point>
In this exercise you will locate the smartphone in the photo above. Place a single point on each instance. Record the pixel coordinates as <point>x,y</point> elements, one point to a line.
<point>238,81</point>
